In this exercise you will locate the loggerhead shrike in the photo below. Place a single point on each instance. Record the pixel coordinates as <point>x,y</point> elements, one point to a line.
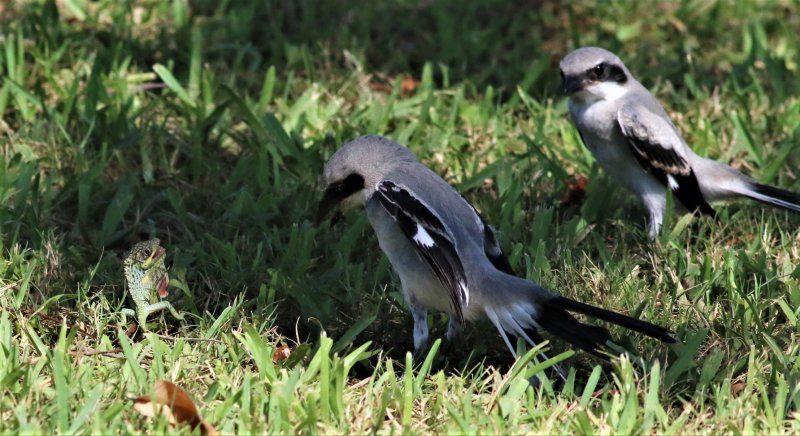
<point>634,141</point>
<point>447,257</point>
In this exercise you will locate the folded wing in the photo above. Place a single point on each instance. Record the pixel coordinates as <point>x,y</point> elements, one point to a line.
<point>660,151</point>
<point>430,237</point>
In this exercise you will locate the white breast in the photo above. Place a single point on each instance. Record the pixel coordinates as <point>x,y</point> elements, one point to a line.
<point>597,122</point>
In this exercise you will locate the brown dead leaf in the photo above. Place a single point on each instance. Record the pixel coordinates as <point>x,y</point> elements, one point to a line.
<point>737,388</point>
<point>408,85</point>
<point>131,330</point>
<point>576,191</point>
<point>175,404</point>
<point>281,353</point>
<point>379,87</point>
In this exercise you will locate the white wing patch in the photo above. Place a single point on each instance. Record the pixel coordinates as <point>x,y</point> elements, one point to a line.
<point>672,183</point>
<point>423,238</point>
<point>462,288</point>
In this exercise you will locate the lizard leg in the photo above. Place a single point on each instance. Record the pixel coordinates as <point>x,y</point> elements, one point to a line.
<point>128,312</point>
<point>141,316</point>
<point>161,305</point>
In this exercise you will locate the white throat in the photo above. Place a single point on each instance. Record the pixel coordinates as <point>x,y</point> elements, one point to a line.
<point>608,91</point>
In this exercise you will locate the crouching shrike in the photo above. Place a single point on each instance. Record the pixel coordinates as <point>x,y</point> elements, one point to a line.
<point>447,257</point>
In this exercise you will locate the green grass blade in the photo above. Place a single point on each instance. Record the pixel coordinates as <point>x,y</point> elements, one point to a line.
<point>172,83</point>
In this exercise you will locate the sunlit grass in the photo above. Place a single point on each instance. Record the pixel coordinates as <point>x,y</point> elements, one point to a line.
<point>207,124</point>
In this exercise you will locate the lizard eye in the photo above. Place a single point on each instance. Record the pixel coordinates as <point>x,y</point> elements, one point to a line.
<point>147,252</point>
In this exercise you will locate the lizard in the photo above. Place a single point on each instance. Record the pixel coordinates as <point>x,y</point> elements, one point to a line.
<point>146,276</point>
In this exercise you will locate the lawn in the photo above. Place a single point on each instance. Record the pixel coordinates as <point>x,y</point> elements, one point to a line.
<point>207,124</point>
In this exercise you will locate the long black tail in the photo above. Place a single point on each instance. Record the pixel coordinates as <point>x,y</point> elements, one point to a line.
<point>556,319</point>
<point>518,306</point>
<point>773,196</point>
<point>635,324</point>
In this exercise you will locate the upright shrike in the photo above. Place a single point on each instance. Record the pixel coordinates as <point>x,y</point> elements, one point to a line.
<point>634,141</point>
<point>447,257</point>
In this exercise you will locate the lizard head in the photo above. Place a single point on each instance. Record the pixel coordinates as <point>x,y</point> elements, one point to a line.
<point>146,254</point>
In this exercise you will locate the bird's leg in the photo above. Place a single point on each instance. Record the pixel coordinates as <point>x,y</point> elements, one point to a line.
<point>421,336</point>
<point>654,223</point>
<point>454,330</point>
<point>656,209</point>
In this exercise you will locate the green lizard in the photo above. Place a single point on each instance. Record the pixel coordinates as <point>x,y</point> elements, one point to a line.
<point>147,280</point>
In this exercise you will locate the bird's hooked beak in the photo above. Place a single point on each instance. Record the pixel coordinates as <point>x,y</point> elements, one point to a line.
<point>330,202</point>
<point>336,194</point>
<point>571,84</point>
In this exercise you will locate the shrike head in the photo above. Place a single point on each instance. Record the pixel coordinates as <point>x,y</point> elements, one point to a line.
<point>350,175</point>
<point>590,74</point>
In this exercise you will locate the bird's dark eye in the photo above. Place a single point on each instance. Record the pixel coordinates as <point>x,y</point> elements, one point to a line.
<point>599,69</point>
<point>562,74</point>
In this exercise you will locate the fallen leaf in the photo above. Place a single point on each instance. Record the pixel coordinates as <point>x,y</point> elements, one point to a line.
<point>408,85</point>
<point>576,191</point>
<point>379,87</point>
<point>131,330</point>
<point>737,388</point>
<point>175,404</point>
<point>281,353</point>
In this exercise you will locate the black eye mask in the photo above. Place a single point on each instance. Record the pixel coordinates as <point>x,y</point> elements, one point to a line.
<point>336,193</point>
<point>604,72</point>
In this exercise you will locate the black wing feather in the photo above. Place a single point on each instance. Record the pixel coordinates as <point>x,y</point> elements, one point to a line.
<point>417,222</point>
<point>493,250</point>
<point>687,190</point>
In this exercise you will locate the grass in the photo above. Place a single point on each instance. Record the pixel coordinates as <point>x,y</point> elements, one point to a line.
<point>207,124</point>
